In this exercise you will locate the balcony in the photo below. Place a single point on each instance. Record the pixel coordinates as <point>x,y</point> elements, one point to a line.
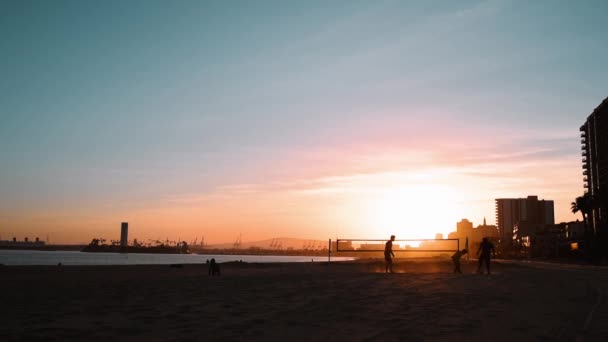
<point>584,153</point>
<point>586,172</point>
<point>585,179</point>
<point>583,134</point>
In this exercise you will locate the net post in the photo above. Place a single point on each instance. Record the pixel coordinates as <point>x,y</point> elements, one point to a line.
<point>329,252</point>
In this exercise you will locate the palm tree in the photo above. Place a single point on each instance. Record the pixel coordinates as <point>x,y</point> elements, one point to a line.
<point>582,204</point>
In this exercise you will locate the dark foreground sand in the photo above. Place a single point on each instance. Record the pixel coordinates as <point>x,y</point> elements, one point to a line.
<point>303,302</point>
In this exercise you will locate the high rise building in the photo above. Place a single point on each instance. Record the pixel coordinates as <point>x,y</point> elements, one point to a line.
<point>522,216</point>
<point>594,140</point>
<point>124,234</point>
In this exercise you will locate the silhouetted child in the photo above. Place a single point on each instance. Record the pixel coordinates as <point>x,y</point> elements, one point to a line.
<point>456,259</point>
<point>214,268</point>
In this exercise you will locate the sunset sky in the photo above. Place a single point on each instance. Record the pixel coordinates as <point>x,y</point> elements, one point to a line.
<point>306,119</point>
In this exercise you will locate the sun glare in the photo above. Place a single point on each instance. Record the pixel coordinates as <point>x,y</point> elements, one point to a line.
<point>415,211</point>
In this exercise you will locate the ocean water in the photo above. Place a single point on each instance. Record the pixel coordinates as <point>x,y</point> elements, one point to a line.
<point>28,257</point>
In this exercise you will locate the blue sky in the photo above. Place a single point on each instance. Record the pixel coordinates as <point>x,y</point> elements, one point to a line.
<point>118,106</point>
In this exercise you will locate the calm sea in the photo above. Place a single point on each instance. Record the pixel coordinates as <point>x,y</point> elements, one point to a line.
<point>26,257</point>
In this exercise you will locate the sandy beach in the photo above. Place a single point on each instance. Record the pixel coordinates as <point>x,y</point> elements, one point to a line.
<point>349,301</point>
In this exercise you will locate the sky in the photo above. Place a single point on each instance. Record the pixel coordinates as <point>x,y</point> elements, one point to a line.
<point>305,119</point>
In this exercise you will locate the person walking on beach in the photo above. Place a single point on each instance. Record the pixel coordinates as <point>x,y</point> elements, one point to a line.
<point>389,255</point>
<point>485,248</point>
<point>456,259</point>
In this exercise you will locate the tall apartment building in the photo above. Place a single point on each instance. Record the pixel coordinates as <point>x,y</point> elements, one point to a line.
<point>526,215</point>
<point>594,140</point>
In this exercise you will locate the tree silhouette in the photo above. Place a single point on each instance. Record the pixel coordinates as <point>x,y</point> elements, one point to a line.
<point>584,205</point>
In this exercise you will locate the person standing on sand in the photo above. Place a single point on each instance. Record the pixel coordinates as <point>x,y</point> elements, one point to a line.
<point>485,248</point>
<point>389,255</point>
<point>214,268</point>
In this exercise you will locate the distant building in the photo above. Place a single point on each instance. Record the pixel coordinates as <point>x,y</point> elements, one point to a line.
<point>518,218</point>
<point>487,230</point>
<point>465,230</point>
<point>556,239</point>
<point>575,230</point>
<point>594,140</point>
<point>124,234</point>
<point>548,241</point>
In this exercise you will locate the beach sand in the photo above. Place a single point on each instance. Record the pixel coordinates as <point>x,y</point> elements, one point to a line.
<point>348,301</point>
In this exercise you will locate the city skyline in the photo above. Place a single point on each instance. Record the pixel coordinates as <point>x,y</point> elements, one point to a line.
<point>355,119</point>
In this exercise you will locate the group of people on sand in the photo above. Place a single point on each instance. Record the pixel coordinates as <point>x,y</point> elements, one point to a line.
<point>485,252</point>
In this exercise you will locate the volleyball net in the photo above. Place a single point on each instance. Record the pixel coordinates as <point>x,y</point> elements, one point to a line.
<point>407,245</point>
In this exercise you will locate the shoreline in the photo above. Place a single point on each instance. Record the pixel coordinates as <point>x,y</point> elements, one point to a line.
<point>123,259</point>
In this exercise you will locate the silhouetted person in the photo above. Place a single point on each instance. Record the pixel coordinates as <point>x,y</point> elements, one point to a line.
<point>389,255</point>
<point>456,259</point>
<point>214,268</point>
<point>485,251</point>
